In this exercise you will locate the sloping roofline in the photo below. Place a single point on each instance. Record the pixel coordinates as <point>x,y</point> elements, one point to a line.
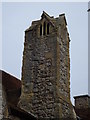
<point>51,19</point>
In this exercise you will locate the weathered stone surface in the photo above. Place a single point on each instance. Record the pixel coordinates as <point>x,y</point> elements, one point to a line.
<point>82,106</point>
<point>1,114</point>
<point>46,69</point>
<point>82,102</point>
<point>10,91</point>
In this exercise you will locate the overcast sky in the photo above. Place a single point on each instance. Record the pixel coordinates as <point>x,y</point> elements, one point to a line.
<point>89,49</point>
<point>16,17</point>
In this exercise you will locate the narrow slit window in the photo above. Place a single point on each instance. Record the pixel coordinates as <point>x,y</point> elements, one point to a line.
<point>40,30</point>
<point>48,28</point>
<point>44,29</point>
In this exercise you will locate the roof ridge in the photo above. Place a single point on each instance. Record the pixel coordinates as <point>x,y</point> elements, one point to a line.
<point>46,14</point>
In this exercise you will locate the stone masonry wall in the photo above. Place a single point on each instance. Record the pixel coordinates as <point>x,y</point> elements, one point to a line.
<point>63,69</point>
<point>4,105</point>
<point>46,73</point>
<point>64,60</point>
<point>82,102</point>
<point>39,76</point>
<point>1,101</point>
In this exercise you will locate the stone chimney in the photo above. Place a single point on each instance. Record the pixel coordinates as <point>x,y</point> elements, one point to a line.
<point>82,102</point>
<point>82,107</point>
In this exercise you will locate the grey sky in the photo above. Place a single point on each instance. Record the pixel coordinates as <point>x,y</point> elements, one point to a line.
<point>89,49</point>
<point>16,17</point>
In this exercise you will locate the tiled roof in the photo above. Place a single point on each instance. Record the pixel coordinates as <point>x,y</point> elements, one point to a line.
<point>84,114</point>
<point>23,115</point>
<point>12,87</point>
<point>10,82</point>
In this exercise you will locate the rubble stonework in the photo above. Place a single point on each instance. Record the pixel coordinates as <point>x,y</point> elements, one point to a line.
<point>10,91</point>
<point>1,97</point>
<point>82,106</point>
<point>82,101</point>
<point>46,69</point>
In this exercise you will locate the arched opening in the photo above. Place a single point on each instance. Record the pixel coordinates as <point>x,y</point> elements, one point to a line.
<point>48,28</point>
<point>40,30</point>
<point>44,29</point>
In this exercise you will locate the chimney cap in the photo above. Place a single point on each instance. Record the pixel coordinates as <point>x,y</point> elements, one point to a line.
<point>81,96</point>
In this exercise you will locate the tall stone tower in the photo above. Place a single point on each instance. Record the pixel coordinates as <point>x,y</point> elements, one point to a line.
<point>46,69</point>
